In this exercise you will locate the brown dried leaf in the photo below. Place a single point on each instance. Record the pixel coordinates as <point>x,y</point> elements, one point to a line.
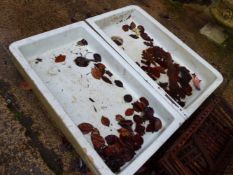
<point>132,26</point>
<point>114,163</point>
<point>97,57</point>
<point>124,132</point>
<point>100,66</point>
<point>154,125</point>
<point>118,40</point>
<point>125,28</point>
<point>127,155</point>
<point>138,106</point>
<point>139,129</point>
<point>148,111</point>
<point>113,150</point>
<point>164,85</point>
<point>119,117</point>
<point>188,90</point>
<point>118,83</point>
<point>112,139</point>
<point>128,98</point>
<point>85,128</point>
<point>126,124</point>
<point>185,76</point>
<point>129,112</point>
<point>105,121</point>
<point>60,58</point>
<point>137,142</point>
<point>144,100</point>
<point>106,79</point>
<point>96,73</point>
<point>97,140</point>
<point>146,37</point>
<point>150,44</point>
<point>95,131</point>
<point>81,61</point>
<point>82,42</point>
<point>138,119</point>
<point>108,73</point>
<point>141,28</point>
<point>134,36</point>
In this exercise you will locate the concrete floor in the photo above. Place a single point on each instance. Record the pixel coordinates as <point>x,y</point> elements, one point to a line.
<point>29,142</point>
